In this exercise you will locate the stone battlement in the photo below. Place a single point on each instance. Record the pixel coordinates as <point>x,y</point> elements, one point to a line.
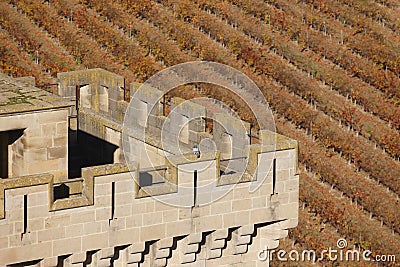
<point>164,209</point>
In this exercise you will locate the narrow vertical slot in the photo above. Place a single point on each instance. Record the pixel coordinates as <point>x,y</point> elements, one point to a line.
<point>195,188</point>
<point>112,200</point>
<point>25,225</point>
<point>273,176</point>
<point>77,96</point>
<point>4,155</point>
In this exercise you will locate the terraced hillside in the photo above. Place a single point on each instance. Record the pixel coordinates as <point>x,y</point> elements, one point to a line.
<point>329,68</point>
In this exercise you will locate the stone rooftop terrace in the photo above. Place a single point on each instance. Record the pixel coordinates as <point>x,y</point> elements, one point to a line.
<point>18,96</point>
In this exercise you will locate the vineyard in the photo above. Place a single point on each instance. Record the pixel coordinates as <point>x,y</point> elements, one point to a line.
<point>329,68</point>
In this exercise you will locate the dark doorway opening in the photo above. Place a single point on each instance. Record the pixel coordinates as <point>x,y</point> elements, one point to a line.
<point>86,150</point>
<point>7,138</point>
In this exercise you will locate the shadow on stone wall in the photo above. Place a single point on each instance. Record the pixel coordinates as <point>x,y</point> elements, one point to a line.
<point>86,150</point>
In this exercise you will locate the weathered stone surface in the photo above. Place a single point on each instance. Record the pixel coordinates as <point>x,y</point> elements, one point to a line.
<point>109,217</point>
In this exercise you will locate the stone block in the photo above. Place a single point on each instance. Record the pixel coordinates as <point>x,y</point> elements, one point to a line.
<point>83,217</point>
<point>220,234</point>
<point>38,199</point>
<point>38,211</point>
<point>15,240</point>
<point>123,237</point>
<point>214,253</point>
<point>203,198</point>
<point>51,234</point>
<point>57,152</point>
<point>222,195</point>
<point>178,228</point>
<point>229,220</point>
<point>66,246</point>
<point>259,202</point>
<point>288,211</point>
<point>134,221</point>
<point>103,214</point>
<point>169,215</point>
<point>75,230</point>
<point>243,204</point>
<point>42,166</point>
<point>160,262</point>
<point>102,189</point>
<point>18,227</point>
<point>185,213</point>
<point>13,255</point>
<point>246,229</point>
<point>117,224</point>
<point>60,141</point>
<point>36,224</point>
<point>285,154</point>
<point>282,164</point>
<point>52,116</point>
<point>124,186</point>
<point>194,238</point>
<point>38,142</point>
<point>136,248</point>
<point>294,197</point>
<point>241,192</point>
<point>103,202</point>
<point>241,249</point>
<point>32,131</point>
<point>106,253</point>
<point>160,206</point>
<point>215,244</point>
<point>187,258</point>
<point>261,215</point>
<point>242,217</point>
<point>221,207</point>
<point>210,223</point>
<point>3,242</point>
<point>283,175</point>
<point>279,186</point>
<point>134,258</point>
<point>55,221</point>
<point>123,211</point>
<point>244,240</point>
<point>283,198</point>
<point>150,207</point>
<point>191,248</point>
<point>49,129</point>
<point>163,253</point>
<point>7,228</point>
<point>95,241</point>
<point>291,185</point>
<point>62,128</point>
<point>152,218</point>
<point>34,155</point>
<point>50,262</point>
<point>79,257</point>
<point>91,228</point>
<point>165,243</point>
<point>153,232</point>
<point>123,198</point>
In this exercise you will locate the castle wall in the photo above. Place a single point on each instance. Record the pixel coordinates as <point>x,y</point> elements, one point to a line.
<point>99,90</point>
<point>193,212</point>
<point>125,228</point>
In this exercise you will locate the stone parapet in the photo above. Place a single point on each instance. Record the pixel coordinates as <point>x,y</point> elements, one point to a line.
<point>110,221</point>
